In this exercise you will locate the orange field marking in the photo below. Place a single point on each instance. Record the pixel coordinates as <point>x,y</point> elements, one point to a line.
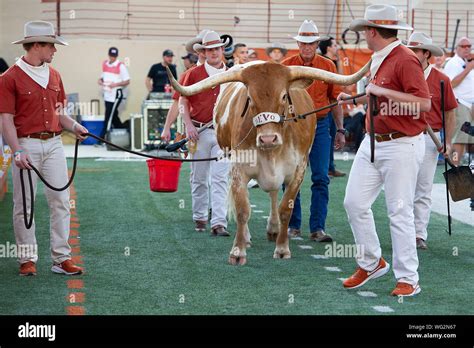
<point>75,310</point>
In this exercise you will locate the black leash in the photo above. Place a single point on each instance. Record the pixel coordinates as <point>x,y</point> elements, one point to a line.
<point>303,116</point>
<point>181,143</point>
<point>29,221</point>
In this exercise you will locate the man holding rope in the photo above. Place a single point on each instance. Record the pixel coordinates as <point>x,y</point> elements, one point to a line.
<point>197,112</point>
<point>396,78</point>
<point>32,105</point>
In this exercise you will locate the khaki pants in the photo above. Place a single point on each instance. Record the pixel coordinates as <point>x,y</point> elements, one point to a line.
<point>48,157</point>
<point>217,172</point>
<point>396,167</point>
<point>424,185</point>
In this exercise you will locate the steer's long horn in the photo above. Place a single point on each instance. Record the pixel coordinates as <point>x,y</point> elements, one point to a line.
<point>299,72</point>
<point>211,81</point>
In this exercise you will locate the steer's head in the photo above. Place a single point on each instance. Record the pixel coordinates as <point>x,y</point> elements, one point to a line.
<point>268,93</point>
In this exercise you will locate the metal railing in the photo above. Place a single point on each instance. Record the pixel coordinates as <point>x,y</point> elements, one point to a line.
<point>246,20</point>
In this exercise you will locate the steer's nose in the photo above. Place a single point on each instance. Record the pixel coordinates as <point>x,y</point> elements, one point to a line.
<point>268,140</point>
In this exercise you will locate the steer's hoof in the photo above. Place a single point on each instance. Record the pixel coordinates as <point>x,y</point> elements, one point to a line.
<point>282,254</point>
<point>272,237</point>
<point>237,261</point>
<point>237,257</point>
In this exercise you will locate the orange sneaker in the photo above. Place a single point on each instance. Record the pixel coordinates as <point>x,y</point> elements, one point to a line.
<point>405,289</point>
<point>66,267</point>
<point>28,269</point>
<point>360,277</point>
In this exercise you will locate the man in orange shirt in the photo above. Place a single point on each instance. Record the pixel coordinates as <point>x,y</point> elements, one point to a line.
<point>398,82</point>
<point>32,104</point>
<point>322,95</point>
<point>422,45</point>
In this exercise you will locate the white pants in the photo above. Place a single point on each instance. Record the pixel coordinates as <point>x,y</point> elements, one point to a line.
<point>424,185</point>
<point>207,147</point>
<point>48,157</point>
<point>396,167</point>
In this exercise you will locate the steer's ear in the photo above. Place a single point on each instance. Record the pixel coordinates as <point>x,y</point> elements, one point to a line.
<point>301,83</point>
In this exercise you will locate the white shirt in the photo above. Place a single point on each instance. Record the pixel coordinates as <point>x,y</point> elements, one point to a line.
<point>108,78</point>
<point>464,92</point>
<point>212,71</point>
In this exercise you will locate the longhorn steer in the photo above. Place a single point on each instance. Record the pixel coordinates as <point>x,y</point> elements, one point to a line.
<point>245,118</point>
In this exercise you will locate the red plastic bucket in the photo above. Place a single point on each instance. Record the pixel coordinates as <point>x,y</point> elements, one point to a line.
<point>164,175</point>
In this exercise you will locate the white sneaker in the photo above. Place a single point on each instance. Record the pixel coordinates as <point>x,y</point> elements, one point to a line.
<point>252,183</point>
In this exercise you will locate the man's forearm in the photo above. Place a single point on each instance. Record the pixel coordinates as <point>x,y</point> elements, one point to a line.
<point>184,110</point>
<point>338,116</point>
<point>9,132</point>
<point>172,114</point>
<point>401,97</point>
<point>67,122</point>
<point>458,79</point>
<point>450,125</point>
<point>148,84</point>
<point>123,83</point>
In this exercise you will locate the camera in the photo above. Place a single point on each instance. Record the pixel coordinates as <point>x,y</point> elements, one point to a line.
<point>467,128</point>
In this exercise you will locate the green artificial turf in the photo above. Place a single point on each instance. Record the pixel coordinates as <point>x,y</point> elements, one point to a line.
<point>171,269</point>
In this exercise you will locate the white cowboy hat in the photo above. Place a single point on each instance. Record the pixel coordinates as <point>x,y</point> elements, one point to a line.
<point>198,39</point>
<point>309,33</point>
<point>424,42</point>
<point>276,45</point>
<point>379,16</point>
<point>40,31</point>
<point>211,40</point>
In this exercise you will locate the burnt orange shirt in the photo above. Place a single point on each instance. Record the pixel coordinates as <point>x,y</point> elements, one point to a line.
<point>434,117</point>
<point>34,107</point>
<point>321,93</point>
<point>201,105</point>
<point>400,71</point>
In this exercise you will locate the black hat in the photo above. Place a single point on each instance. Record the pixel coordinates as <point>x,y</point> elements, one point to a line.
<point>113,51</point>
<point>168,53</point>
<point>192,58</point>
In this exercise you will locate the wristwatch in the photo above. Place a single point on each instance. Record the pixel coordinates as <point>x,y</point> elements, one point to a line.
<point>341,130</point>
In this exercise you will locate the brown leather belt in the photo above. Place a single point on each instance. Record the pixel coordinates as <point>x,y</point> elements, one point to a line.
<point>389,136</point>
<point>43,135</point>
<point>434,130</point>
<point>201,124</point>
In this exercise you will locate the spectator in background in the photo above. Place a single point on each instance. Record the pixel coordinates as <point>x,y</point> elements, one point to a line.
<point>114,76</point>
<point>190,60</point>
<point>329,49</point>
<point>276,52</point>
<point>157,79</point>
<point>460,69</point>
<point>241,54</point>
<point>3,66</point>
<point>252,55</point>
<point>440,61</point>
